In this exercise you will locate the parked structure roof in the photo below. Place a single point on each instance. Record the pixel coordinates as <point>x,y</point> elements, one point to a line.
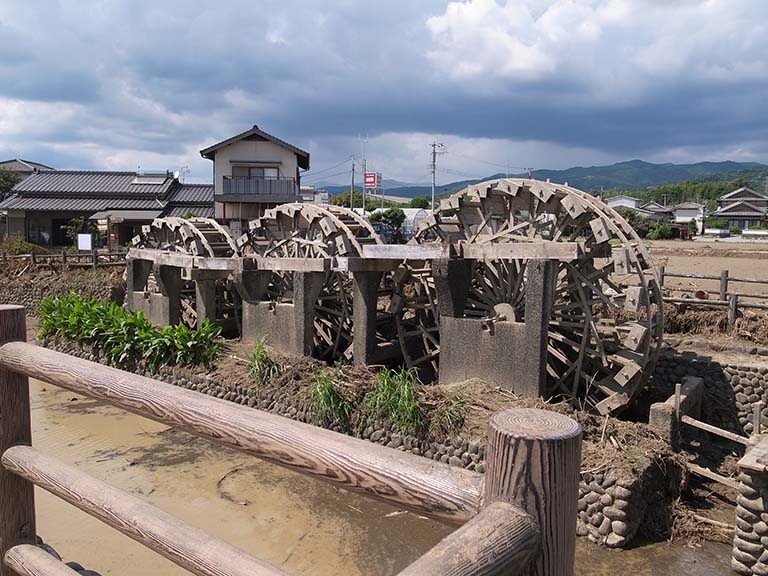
<point>256,133</point>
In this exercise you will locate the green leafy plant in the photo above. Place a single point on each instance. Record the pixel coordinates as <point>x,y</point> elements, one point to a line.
<point>328,405</point>
<point>262,367</point>
<point>125,337</point>
<point>395,399</point>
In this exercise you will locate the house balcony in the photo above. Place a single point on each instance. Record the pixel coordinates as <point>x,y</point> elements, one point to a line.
<point>271,190</point>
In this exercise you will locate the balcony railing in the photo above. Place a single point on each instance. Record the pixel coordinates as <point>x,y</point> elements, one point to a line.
<point>260,186</point>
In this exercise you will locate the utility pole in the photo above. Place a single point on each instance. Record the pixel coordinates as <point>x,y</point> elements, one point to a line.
<point>364,170</point>
<point>433,168</point>
<point>352,188</point>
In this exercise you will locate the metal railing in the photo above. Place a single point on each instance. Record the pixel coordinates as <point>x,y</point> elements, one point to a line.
<point>260,186</point>
<point>518,518</point>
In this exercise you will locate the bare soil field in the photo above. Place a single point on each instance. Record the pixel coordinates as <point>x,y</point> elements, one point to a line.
<point>742,260</point>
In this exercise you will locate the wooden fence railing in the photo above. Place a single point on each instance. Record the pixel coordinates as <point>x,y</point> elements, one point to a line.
<point>725,296</point>
<point>518,518</point>
<point>68,260</point>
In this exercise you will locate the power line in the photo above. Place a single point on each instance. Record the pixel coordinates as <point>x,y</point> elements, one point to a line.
<point>311,173</point>
<point>330,175</point>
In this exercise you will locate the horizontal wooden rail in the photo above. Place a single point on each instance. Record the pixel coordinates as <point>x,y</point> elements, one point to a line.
<point>709,475</point>
<point>438,490</point>
<point>692,276</point>
<point>500,540</point>
<point>28,560</point>
<point>714,430</point>
<point>185,545</point>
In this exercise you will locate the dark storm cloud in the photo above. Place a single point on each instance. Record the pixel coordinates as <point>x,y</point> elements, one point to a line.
<point>132,82</point>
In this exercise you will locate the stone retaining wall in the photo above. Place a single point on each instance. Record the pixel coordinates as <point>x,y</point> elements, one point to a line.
<point>731,390</point>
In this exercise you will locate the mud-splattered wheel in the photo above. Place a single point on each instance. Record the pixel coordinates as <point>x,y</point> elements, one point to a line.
<point>605,328</point>
<point>314,231</point>
<point>196,237</point>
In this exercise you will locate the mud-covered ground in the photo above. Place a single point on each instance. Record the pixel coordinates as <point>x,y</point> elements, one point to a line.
<point>298,524</point>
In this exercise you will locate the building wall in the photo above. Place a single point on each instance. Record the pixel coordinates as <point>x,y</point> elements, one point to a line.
<point>251,151</point>
<point>686,215</point>
<point>617,201</point>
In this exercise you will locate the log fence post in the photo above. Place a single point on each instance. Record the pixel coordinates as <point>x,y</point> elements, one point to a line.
<point>533,461</point>
<point>17,504</point>
<point>733,306</point>
<point>723,284</point>
<point>661,271</point>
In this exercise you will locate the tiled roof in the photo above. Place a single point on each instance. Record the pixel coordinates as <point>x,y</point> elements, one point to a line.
<point>70,204</point>
<point>303,157</point>
<point>749,192</point>
<point>180,211</point>
<point>732,209</point>
<point>19,165</point>
<point>87,183</point>
<point>192,193</point>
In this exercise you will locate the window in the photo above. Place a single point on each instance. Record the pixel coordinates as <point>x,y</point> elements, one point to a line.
<point>254,172</point>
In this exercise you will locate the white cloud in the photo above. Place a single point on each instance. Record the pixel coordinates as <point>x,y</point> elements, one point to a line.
<point>612,50</point>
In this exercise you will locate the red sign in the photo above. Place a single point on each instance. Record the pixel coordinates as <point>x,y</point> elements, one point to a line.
<point>370,180</point>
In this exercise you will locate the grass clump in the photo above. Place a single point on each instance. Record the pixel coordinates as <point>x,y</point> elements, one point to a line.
<point>448,416</point>
<point>396,399</point>
<point>125,337</point>
<point>328,405</point>
<point>261,366</point>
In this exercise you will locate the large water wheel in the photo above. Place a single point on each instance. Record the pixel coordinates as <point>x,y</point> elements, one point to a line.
<point>314,231</point>
<point>195,237</point>
<point>605,328</point>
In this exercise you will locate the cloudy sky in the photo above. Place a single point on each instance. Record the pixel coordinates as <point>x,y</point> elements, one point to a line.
<point>112,84</point>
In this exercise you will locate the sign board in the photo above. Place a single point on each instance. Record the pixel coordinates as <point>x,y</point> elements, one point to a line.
<point>372,180</point>
<point>85,242</point>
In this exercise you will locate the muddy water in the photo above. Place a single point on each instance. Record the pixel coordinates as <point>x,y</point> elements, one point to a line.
<point>298,524</point>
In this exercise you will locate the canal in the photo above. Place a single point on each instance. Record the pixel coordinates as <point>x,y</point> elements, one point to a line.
<point>298,524</point>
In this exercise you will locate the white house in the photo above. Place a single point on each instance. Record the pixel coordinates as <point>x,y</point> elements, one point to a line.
<point>252,172</point>
<point>622,201</point>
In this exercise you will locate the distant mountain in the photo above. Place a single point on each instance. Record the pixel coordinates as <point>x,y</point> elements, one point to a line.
<point>623,176</point>
<point>636,174</point>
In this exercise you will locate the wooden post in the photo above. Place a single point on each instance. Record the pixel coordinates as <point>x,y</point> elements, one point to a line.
<point>533,461</point>
<point>94,257</point>
<point>733,306</point>
<point>661,271</point>
<point>17,504</point>
<point>63,258</point>
<point>723,284</point>
<point>32,259</point>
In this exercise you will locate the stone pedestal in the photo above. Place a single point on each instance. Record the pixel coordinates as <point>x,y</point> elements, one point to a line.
<point>509,354</point>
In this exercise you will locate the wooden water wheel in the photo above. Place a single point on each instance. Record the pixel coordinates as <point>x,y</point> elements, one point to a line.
<point>314,231</point>
<point>195,237</point>
<point>605,329</point>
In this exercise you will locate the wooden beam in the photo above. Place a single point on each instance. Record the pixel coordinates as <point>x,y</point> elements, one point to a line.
<point>293,264</point>
<point>17,502</point>
<point>184,545</point>
<point>499,540</point>
<point>714,430</point>
<point>563,251</point>
<point>28,560</point>
<point>356,264</point>
<point>431,488</point>
<point>532,461</point>
<point>212,264</point>
<point>709,475</point>
<point>408,251</point>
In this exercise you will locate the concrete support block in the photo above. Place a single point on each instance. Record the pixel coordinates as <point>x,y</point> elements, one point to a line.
<point>512,355</point>
<point>137,274</point>
<point>662,418</point>
<point>365,295</point>
<point>205,301</point>
<point>288,327</point>
<point>452,281</point>
<point>166,306</point>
